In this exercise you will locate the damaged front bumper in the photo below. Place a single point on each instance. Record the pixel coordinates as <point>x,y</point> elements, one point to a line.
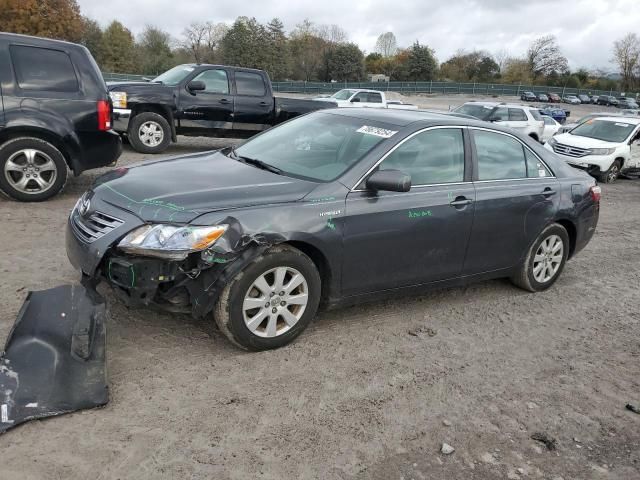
<point>54,358</point>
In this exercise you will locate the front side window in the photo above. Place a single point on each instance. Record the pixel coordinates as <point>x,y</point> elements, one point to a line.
<point>342,94</point>
<point>248,83</point>
<point>318,146</point>
<point>215,81</point>
<point>517,115</point>
<point>500,157</point>
<point>43,69</point>
<point>430,157</point>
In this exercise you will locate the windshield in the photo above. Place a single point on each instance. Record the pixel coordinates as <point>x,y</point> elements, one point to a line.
<point>478,111</point>
<point>175,75</point>
<point>343,94</point>
<point>317,147</point>
<point>605,130</point>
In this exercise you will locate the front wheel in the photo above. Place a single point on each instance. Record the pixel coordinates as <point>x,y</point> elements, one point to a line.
<point>545,260</point>
<point>271,301</point>
<point>149,132</point>
<point>612,174</point>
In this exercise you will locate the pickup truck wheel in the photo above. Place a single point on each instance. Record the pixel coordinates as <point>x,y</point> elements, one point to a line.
<point>612,174</point>
<point>545,260</point>
<point>31,169</point>
<point>149,132</point>
<point>271,301</point>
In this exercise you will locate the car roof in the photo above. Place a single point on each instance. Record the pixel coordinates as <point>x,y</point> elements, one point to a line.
<point>19,38</point>
<point>402,118</point>
<point>499,104</point>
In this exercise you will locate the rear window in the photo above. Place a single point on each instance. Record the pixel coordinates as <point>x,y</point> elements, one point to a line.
<point>536,115</point>
<point>517,115</point>
<point>43,69</point>
<point>249,84</point>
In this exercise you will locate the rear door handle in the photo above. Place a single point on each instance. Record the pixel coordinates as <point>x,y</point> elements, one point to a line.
<point>548,192</point>
<point>461,202</point>
<point>263,104</point>
<point>224,101</point>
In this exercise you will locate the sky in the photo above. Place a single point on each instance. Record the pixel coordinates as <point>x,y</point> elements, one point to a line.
<point>585,29</point>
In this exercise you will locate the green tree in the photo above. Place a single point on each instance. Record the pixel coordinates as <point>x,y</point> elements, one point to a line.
<point>59,19</point>
<point>244,44</point>
<point>119,52</point>
<point>421,62</point>
<point>346,63</point>
<point>278,55</point>
<point>154,51</point>
<point>92,38</point>
<point>373,63</point>
<point>306,48</point>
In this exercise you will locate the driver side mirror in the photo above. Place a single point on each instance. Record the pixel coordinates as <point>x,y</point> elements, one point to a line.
<point>355,100</point>
<point>390,181</point>
<point>196,86</point>
<point>494,119</point>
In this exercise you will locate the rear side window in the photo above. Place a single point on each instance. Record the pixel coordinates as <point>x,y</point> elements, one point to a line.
<point>536,115</point>
<point>535,168</point>
<point>500,157</point>
<point>434,156</point>
<point>500,114</point>
<point>517,115</point>
<point>375,98</point>
<point>43,69</point>
<point>248,83</point>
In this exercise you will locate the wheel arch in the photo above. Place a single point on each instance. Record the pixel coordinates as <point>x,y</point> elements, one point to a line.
<point>572,231</point>
<point>69,152</point>
<point>160,110</point>
<point>320,261</point>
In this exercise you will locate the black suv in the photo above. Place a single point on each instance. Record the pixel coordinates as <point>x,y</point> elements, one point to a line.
<point>55,114</point>
<point>607,100</point>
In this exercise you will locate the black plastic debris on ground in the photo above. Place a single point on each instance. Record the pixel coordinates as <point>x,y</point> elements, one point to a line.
<point>54,358</point>
<point>549,442</point>
<point>635,408</point>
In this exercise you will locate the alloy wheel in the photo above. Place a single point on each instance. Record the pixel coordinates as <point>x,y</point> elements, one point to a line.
<point>613,173</point>
<point>151,133</point>
<point>30,171</point>
<point>275,302</point>
<point>548,259</point>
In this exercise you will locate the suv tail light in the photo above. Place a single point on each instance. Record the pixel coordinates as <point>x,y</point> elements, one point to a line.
<point>596,193</point>
<point>104,115</point>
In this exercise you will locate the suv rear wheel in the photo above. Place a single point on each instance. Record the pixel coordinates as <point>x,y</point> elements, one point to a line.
<point>149,132</point>
<point>31,169</point>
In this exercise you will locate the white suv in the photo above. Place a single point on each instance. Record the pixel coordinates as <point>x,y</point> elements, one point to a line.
<point>606,147</point>
<point>526,120</point>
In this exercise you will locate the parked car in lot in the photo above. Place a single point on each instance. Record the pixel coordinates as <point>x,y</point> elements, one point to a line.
<point>572,99</point>
<point>605,147</point>
<point>554,98</point>
<point>627,103</point>
<point>584,98</point>
<point>200,100</point>
<point>333,208</point>
<point>594,99</point>
<point>551,127</point>
<point>608,100</point>
<point>55,115</point>
<point>558,114</point>
<point>528,97</point>
<point>570,126</point>
<point>358,97</point>
<point>631,111</point>
<point>526,120</point>
<point>542,97</point>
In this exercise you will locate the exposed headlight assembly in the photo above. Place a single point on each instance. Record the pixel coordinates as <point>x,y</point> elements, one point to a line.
<point>119,99</point>
<point>602,151</point>
<point>169,241</point>
<point>552,141</point>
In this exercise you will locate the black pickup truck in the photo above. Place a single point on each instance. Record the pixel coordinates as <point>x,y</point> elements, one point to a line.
<point>200,100</point>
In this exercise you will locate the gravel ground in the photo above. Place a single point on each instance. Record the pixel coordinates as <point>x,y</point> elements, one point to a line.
<point>366,392</point>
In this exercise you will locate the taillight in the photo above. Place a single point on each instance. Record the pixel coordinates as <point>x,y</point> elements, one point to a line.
<point>104,115</point>
<point>596,193</point>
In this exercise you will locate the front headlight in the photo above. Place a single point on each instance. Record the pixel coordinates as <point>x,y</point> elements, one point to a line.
<point>602,151</point>
<point>552,141</point>
<point>119,99</point>
<point>169,241</point>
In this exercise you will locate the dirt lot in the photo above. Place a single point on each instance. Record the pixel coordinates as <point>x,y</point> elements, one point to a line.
<point>367,392</point>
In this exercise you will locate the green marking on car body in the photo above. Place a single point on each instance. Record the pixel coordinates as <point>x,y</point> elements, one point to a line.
<point>420,213</point>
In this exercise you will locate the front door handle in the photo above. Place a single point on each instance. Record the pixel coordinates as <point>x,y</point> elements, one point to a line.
<point>224,101</point>
<point>548,192</point>
<point>460,202</point>
<point>263,104</point>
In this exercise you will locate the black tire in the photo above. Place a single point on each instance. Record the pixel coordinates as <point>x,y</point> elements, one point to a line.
<point>136,137</point>
<point>524,277</point>
<point>228,312</point>
<point>612,174</point>
<point>55,175</point>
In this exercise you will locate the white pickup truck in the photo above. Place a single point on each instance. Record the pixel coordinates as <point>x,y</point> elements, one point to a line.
<point>353,97</point>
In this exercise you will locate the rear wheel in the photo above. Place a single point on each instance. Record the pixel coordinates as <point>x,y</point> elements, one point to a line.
<point>545,260</point>
<point>149,132</point>
<point>271,301</point>
<point>612,174</point>
<point>31,169</point>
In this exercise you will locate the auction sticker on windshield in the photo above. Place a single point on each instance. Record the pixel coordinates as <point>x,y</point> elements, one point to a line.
<point>378,132</point>
<point>622,125</point>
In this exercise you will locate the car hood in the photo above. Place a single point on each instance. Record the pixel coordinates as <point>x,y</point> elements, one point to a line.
<point>583,142</point>
<point>183,188</point>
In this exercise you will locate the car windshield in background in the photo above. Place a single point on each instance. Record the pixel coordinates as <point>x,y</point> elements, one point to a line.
<point>478,111</point>
<point>174,76</point>
<point>318,147</point>
<point>343,94</point>
<point>606,130</point>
